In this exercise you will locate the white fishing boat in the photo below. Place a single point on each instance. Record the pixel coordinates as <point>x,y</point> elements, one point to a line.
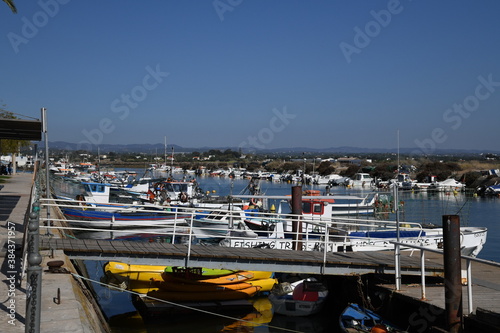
<point>449,184</point>
<point>353,235</point>
<point>315,207</point>
<point>216,223</point>
<point>472,240</point>
<point>362,179</point>
<point>328,179</point>
<point>101,195</point>
<point>432,184</point>
<point>126,217</point>
<point>403,181</point>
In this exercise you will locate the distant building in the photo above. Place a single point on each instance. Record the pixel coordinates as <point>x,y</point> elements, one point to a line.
<point>349,160</point>
<point>20,160</point>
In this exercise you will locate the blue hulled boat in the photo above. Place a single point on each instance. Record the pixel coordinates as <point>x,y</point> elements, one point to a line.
<point>358,319</point>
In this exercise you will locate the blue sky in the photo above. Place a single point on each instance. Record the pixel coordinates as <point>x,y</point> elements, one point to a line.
<point>266,74</point>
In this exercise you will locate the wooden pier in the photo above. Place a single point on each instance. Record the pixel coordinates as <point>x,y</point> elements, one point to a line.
<point>307,262</point>
<point>485,289</point>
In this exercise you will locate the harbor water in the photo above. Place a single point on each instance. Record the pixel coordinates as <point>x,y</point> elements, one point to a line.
<point>419,207</point>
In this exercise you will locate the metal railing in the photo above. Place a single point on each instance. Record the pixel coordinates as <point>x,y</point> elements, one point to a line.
<point>468,262</point>
<point>200,224</point>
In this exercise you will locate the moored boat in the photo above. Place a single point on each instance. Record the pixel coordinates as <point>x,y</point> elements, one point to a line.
<point>144,273</point>
<point>354,319</point>
<point>147,273</point>
<point>236,277</point>
<point>144,278</point>
<point>131,217</point>
<point>362,179</point>
<point>300,298</point>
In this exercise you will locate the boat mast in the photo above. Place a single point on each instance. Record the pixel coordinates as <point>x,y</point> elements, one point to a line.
<point>172,161</point>
<point>99,165</point>
<point>165,152</point>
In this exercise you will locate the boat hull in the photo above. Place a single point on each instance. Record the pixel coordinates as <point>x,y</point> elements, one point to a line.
<point>299,299</point>
<point>356,319</point>
<point>89,218</point>
<point>217,295</point>
<point>225,279</point>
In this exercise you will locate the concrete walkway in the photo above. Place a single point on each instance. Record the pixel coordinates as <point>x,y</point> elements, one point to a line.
<point>14,201</point>
<point>64,305</point>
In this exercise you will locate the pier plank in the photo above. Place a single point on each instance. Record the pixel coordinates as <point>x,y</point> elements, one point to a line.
<point>302,261</point>
<point>483,297</point>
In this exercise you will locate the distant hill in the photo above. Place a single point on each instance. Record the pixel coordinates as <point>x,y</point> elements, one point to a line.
<point>159,149</point>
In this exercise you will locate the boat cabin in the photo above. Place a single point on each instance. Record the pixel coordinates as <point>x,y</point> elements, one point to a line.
<point>176,190</point>
<point>96,192</point>
<point>362,179</point>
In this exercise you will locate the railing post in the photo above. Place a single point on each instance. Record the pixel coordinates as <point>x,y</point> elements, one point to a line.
<point>190,239</point>
<point>325,250</point>
<point>397,247</point>
<point>469,286</point>
<point>175,226</point>
<point>34,276</point>
<point>422,269</point>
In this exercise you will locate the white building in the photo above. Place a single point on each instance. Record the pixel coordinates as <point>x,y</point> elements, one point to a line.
<point>20,160</point>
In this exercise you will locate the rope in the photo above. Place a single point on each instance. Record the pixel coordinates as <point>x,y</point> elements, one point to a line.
<point>179,305</point>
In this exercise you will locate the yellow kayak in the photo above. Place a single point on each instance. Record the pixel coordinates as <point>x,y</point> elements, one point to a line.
<point>143,273</point>
<point>197,272</point>
<point>147,273</point>
<point>258,275</point>
<point>264,284</point>
<point>145,287</point>
<point>225,279</point>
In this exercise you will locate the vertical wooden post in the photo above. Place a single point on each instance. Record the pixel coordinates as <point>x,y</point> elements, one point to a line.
<point>452,273</point>
<point>297,224</point>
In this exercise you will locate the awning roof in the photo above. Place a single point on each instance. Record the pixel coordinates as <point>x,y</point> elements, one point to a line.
<point>19,129</point>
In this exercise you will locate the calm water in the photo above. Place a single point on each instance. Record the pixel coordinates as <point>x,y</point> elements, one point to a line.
<point>418,207</point>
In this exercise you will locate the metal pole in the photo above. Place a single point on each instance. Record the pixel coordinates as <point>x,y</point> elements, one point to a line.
<point>469,286</point>
<point>422,268</point>
<point>452,273</point>
<point>47,161</point>
<point>34,275</point>
<point>297,211</point>
<point>172,162</point>
<point>397,248</point>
